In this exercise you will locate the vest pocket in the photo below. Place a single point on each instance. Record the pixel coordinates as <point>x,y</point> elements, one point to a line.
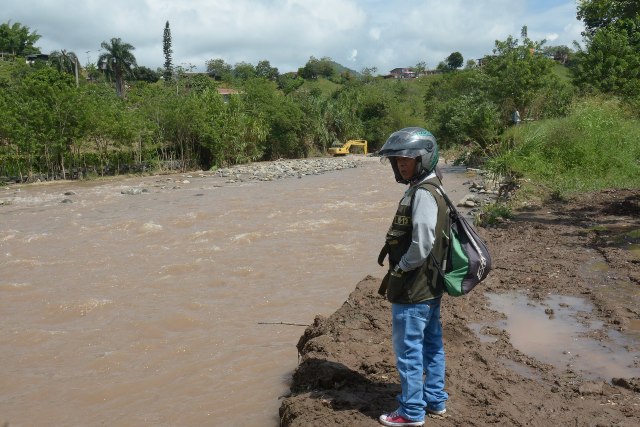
<point>398,285</point>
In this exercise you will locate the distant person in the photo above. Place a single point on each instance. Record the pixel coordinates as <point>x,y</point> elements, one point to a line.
<point>515,117</point>
<point>413,285</point>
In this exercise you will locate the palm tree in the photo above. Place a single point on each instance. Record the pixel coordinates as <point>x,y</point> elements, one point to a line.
<point>117,61</point>
<point>65,62</point>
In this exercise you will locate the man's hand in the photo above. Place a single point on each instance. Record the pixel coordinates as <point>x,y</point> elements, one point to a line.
<point>397,271</point>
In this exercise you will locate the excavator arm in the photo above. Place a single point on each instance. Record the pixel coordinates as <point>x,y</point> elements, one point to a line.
<point>344,150</point>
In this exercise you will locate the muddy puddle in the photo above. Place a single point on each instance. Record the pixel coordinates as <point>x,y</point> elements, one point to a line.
<point>561,331</point>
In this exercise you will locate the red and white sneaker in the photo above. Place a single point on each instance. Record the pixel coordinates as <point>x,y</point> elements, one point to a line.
<point>396,420</point>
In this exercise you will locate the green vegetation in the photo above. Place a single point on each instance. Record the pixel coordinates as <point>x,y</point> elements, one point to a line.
<point>579,109</point>
<point>596,146</point>
<point>494,213</point>
<point>118,62</point>
<point>18,39</point>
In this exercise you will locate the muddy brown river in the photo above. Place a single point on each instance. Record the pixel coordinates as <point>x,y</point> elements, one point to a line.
<point>164,308</point>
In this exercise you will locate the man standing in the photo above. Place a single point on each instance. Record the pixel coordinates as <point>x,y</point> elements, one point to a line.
<point>416,240</point>
<point>515,117</point>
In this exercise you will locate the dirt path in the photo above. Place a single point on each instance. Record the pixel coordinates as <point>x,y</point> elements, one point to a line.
<point>586,249</point>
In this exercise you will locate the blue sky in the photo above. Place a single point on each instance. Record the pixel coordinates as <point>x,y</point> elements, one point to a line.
<point>356,33</point>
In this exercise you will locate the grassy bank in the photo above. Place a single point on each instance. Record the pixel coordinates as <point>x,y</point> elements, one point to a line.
<point>596,146</point>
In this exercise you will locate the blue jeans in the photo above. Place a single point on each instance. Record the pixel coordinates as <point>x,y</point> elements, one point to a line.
<point>417,342</point>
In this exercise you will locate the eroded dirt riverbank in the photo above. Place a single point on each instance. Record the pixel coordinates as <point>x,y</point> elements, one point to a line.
<point>580,255</point>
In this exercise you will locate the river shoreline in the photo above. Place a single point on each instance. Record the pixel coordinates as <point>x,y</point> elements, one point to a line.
<point>583,252</point>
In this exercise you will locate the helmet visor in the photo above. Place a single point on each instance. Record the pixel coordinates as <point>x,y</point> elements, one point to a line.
<point>410,153</point>
<point>387,158</point>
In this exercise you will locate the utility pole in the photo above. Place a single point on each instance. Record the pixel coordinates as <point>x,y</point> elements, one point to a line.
<point>75,65</point>
<point>74,58</point>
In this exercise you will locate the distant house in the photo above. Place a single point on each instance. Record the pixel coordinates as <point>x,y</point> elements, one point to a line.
<point>31,59</point>
<point>226,93</point>
<point>402,73</point>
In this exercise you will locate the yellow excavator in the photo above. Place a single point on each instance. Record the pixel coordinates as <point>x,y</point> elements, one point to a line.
<point>342,150</point>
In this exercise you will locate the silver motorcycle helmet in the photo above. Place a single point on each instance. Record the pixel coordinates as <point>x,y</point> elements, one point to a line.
<point>416,143</point>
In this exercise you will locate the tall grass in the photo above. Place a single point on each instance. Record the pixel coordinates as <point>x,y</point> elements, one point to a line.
<point>596,146</point>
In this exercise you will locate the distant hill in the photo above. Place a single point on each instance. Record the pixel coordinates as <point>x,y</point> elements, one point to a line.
<point>341,69</point>
<point>324,67</point>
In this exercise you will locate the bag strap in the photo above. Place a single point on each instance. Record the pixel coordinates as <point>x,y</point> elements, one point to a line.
<point>452,212</point>
<point>452,209</point>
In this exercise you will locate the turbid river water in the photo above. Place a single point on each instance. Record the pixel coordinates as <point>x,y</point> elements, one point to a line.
<point>146,310</point>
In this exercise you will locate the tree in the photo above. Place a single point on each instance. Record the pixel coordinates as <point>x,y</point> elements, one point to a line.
<point>611,62</point>
<point>455,61</point>
<point>218,69</point>
<point>601,13</point>
<point>244,71</point>
<point>310,69</point>
<point>420,68</point>
<point>458,109</point>
<point>517,72</point>
<point>326,67</point>
<point>288,82</point>
<point>368,73</point>
<point>118,62</point>
<point>145,74</point>
<point>281,116</point>
<point>266,71</point>
<point>65,62</point>
<point>315,68</point>
<point>166,48</point>
<point>200,83</point>
<point>44,120</point>
<point>18,39</point>
<point>561,54</point>
<point>612,56</point>
<point>92,72</point>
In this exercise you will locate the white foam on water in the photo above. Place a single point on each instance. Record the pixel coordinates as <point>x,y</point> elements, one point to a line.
<point>35,237</point>
<point>151,227</point>
<point>340,247</point>
<point>342,204</point>
<point>246,237</point>
<point>85,307</point>
<point>9,236</point>
<point>8,286</point>
<point>310,224</point>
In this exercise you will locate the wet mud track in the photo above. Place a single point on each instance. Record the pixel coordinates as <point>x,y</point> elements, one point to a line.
<point>573,264</point>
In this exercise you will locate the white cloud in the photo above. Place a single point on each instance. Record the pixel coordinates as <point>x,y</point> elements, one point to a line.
<point>375,33</point>
<point>364,33</point>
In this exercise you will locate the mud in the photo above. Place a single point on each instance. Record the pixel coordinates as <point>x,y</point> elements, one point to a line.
<point>581,252</point>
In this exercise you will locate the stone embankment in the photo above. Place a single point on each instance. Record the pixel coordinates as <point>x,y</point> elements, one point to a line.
<point>482,189</point>
<point>270,171</point>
